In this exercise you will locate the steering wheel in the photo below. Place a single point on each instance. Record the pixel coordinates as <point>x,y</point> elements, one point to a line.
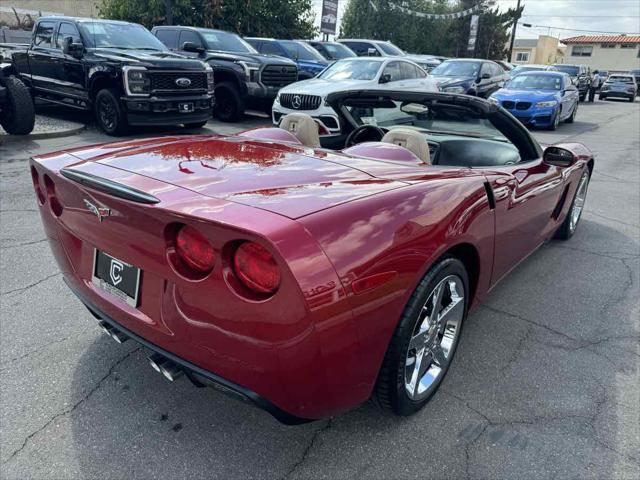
<point>364,133</point>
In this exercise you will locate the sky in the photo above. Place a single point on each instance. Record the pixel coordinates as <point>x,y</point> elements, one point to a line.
<point>590,15</point>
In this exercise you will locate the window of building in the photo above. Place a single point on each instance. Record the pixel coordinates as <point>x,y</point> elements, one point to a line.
<point>522,56</point>
<point>627,45</point>
<point>607,45</point>
<point>581,51</point>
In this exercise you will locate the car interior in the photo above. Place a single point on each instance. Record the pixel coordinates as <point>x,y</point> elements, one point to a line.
<point>429,134</point>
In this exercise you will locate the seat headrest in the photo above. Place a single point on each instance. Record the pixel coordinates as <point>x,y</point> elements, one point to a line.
<point>303,127</point>
<point>411,140</point>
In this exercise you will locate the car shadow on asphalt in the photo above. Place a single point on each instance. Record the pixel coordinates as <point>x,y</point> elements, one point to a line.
<point>534,379</point>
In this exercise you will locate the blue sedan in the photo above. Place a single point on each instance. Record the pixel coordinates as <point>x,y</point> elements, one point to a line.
<point>540,99</point>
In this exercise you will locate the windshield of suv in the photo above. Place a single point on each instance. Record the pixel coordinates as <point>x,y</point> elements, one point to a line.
<point>301,51</point>
<point>338,51</point>
<point>390,49</point>
<point>571,70</point>
<point>531,81</point>
<point>351,70</point>
<point>620,79</point>
<point>453,68</point>
<point>226,42</point>
<point>128,36</point>
<point>434,118</point>
<point>525,68</point>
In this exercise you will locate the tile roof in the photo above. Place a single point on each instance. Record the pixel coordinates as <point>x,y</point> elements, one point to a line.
<point>602,39</point>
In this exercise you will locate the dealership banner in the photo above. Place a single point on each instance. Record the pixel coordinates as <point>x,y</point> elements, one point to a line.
<point>329,16</point>
<point>435,16</point>
<point>473,33</point>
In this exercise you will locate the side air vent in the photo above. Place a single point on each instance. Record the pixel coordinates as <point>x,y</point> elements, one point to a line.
<point>490,196</point>
<point>108,186</point>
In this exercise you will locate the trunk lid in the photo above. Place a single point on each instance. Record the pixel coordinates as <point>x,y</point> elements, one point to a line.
<point>282,179</point>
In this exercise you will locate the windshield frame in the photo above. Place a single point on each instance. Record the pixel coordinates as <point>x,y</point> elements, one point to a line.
<point>337,46</point>
<point>534,73</point>
<point>89,37</point>
<point>571,70</point>
<point>390,49</point>
<point>446,63</point>
<point>314,55</point>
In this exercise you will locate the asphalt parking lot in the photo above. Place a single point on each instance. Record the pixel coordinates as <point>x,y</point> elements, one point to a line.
<point>545,384</point>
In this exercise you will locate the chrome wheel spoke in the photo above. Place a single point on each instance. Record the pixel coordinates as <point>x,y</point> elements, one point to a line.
<point>415,374</point>
<point>417,341</point>
<point>438,355</point>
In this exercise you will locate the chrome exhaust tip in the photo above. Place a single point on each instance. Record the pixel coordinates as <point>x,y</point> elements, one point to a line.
<point>166,367</point>
<point>155,361</point>
<point>118,336</point>
<point>105,327</point>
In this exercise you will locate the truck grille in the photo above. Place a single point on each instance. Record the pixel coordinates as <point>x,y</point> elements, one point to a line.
<point>299,101</point>
<point>279,75</point>
<point>166,82</point>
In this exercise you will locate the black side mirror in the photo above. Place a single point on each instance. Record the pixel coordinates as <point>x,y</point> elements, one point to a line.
<point>385,78</point>
<point>192,47</point>
<point>76,50</point>
<point>560,157</point>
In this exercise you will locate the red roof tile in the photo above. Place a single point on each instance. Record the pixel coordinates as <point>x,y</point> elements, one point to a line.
<point>602,39</point>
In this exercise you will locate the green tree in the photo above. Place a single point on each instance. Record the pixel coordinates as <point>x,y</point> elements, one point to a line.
<point>269,18</point>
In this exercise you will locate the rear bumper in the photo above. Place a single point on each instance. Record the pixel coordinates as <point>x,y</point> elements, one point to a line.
<point>614,94</point>
<point>208,378</point>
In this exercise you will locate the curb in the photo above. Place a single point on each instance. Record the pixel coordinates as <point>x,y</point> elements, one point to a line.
<point>5,138</point>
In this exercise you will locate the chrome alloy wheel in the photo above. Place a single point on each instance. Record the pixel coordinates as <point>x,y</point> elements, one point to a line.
<point>578,202</point>
<point>434,337</point>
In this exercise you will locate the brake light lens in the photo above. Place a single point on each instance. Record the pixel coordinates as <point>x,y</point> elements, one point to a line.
<point>194,250</point>
<point>256,268</point>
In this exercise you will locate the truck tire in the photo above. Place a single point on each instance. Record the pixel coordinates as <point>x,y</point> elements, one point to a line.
<point>109,113</point>
<point>229,105</point>
<point>18,116</point>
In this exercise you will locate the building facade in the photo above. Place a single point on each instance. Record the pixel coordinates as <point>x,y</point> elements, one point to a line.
<point>544,50</point>
<point>615,53</point>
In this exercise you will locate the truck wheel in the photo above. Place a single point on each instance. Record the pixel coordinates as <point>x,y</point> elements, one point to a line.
<point>19,115</point>
<point>109,113</point>
<point>229,105</point>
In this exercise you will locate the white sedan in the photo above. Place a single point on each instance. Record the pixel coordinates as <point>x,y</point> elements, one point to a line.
<point>357,73</point>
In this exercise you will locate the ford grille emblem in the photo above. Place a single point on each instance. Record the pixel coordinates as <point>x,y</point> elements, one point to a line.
<point>296,101</point>
<point>183,82</point>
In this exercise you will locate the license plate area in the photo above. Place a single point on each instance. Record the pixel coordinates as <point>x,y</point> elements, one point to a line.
<point>185,107</point>
<point>116,277</point>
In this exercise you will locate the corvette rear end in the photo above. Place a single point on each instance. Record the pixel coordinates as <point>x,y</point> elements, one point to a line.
<point>228,293</point>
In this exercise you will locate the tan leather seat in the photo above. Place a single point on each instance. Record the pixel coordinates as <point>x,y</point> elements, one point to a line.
<point>303,127</point>
<point>411,140</point>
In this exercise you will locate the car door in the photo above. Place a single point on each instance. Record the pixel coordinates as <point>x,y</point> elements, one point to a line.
<point>484,81</point>
<point>45,61</point>
<point>71,75</point>
<point>414,78</point>
<point>527,195</point>
<point>393,72</point>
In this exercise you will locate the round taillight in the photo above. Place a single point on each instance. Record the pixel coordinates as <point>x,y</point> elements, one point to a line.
<point>194,250</point>
<point>256,268</point>
<point>36,185</point>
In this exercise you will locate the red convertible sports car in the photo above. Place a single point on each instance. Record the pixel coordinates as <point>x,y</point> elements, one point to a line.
<point>302,279</point>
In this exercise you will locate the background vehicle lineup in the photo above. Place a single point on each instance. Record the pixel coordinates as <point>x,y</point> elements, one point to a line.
<point>619,86</point>
<point>348,74</point>
<point>580,75</point>
<point>244,77</point>
<point>117,69</point>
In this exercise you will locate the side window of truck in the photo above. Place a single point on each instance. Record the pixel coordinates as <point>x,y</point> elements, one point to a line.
<point>189,36</point>
<point>43,36</point>
<point>67,30</point>
<point>168,37</point>
<point>271,48</point>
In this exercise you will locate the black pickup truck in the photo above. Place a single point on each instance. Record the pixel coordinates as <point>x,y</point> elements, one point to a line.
<point>117,69</point>
<point>244,77</point>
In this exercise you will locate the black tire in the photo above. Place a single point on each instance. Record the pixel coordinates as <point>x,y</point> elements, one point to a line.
<point>18,115</point>
<point>229,105</point>
<point>195,125</point>
<point>389,392</point>
<point>602,97</point>
<point>571,118</point>
<point>109,114</point>
<point>632,99</point>
<point>566,230</point>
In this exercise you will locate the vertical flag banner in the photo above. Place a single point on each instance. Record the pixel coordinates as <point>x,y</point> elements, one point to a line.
<point>473,33</point>
<point>329,16</point>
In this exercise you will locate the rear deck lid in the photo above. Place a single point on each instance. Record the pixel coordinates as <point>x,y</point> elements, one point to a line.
<point>282,179</point>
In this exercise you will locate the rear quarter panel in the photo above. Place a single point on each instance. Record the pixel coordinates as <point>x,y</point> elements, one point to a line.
<point>401,234</point>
